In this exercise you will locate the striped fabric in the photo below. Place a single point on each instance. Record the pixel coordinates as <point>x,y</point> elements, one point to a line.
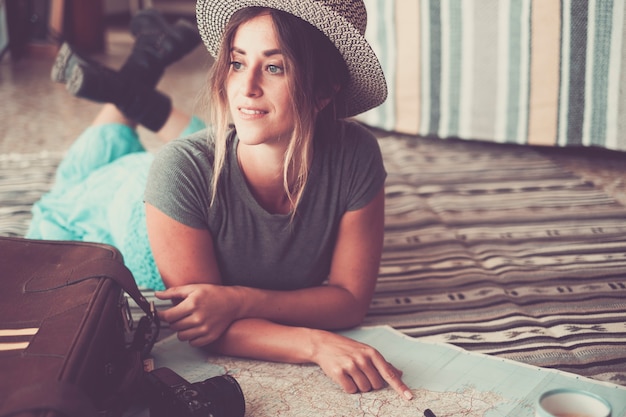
<point>24,178</point>
<point>490,247</point>
<point>541,72</point>
<point>496,249</point>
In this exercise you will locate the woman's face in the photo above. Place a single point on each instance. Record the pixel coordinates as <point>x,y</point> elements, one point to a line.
<point>256,85</point>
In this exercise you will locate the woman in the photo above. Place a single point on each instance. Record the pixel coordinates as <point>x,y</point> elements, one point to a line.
<point>267,234</point>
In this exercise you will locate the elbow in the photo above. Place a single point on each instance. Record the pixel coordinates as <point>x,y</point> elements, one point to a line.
<point>348,322</point>
<point>358,318</point>
<point>353,311</point>
<point>352,318</point>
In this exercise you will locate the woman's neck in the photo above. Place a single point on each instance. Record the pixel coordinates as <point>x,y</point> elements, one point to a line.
<point>262,168</point>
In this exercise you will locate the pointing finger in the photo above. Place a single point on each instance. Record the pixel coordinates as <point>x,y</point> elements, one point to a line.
<point>393,377</point>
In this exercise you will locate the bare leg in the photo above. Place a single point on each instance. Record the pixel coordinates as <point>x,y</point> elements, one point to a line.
<point>172,129</point>
<point>111,114</point>
<point>174,126</point>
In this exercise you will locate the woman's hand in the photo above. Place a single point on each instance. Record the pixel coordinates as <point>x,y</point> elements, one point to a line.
<point>355,366</point>
<point>202,312</point>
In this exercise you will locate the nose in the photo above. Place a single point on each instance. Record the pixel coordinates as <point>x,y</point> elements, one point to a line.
<point>251,83</point>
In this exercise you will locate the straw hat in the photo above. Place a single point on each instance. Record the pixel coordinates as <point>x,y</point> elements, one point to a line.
<point>342,21</point>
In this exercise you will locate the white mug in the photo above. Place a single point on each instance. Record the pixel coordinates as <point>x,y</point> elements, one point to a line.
<point>566,402</point>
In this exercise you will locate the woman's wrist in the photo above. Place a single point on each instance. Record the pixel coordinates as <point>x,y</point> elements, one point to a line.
<point>239,298</point>
<point>315,342</point>
<point>265,340</point>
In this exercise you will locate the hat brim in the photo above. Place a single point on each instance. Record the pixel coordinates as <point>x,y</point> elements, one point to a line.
<point>367,87</point>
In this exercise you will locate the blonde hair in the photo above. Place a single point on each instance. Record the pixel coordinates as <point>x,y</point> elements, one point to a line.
<point>315,72</point>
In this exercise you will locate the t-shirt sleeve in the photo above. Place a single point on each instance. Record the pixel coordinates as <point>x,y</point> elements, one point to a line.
<point>179,181</point>
<point>365,168</point>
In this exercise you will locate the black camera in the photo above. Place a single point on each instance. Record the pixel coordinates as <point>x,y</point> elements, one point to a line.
<point>170,395</point>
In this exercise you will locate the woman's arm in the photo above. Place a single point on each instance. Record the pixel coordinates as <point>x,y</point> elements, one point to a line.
<point>354,366</point>
<point>186,257</point>
<point>257,324</point>
<point>183,254</point>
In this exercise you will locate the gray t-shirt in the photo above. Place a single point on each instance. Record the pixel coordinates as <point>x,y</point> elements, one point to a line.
<point>253,247</point>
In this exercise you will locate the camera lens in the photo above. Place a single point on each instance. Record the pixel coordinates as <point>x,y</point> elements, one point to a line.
<point>189,394</point>
<point>225,395</point>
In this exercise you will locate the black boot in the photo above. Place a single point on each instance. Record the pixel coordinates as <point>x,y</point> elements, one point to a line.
<point>137,102</point>
<point>90,80</point>
<point>157,45</point>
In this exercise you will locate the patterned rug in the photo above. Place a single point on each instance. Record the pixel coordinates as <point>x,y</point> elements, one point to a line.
<point>496,249</point>
<point>24,178</point>
<point>490,247</point>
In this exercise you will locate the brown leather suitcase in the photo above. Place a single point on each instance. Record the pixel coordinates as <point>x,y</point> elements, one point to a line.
<point>67,342</point>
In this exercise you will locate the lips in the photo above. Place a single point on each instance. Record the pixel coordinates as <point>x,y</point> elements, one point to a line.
<point>251,113</point>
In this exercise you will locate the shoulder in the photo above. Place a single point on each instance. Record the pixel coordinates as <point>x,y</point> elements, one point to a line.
<point>351,141</point>
<point>179,181</point>
<point>354,140</point>
<point>184,165</point>
<point>351,164</point>
<point>190,158</point>
<point>196,148</point>
<point>352,133</point>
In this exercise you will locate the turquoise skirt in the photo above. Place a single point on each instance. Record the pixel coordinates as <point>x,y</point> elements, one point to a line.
<point>97,196</point>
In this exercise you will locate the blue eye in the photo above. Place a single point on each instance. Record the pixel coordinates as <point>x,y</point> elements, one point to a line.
<point>236,65</point>
<point>274,69</point>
